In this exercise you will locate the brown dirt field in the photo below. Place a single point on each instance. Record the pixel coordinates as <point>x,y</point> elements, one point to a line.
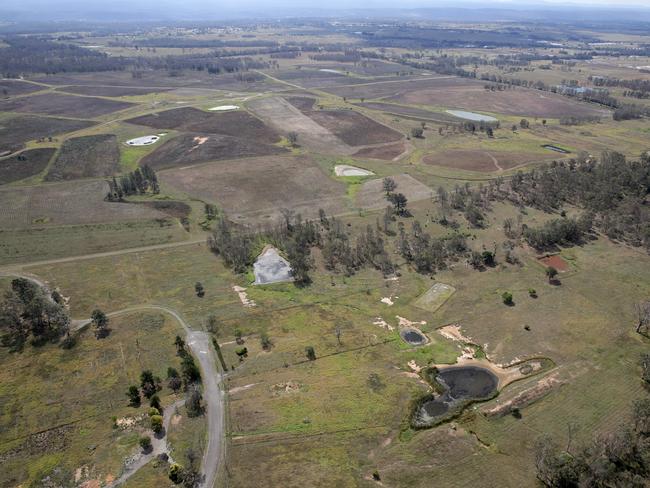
<point>556,262</point>
<point>17,87</point>
<point>285,118</point>
<point>26,164</point>
<point>194,148</point>
<point>483,161</point>
<point>110,91</point>
<point>75,202</point>
<point>520,101</point>
<point>237,123</point>
<point>372,195</point>
<point>351,127</point>
<point>83,157</point>
<point>387,153</point>
<point>254,190</point>
<point>16,130</point>
<point>65,105</point>
<point>410,112</point>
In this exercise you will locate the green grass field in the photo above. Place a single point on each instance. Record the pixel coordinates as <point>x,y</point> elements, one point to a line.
<point>58,414</point>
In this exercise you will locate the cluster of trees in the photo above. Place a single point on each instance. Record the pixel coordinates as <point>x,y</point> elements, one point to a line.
<point>638,88</point>
<point>38,55</point>
<point>294,236</point>
<point>427,253</point>
<point>567,231</point>
<point>28,311</point>
<point>630,112</point>
<point>613,192</point>
<point>347,56</point>
<point>142,180</point>
<point>150,384</point>
<point>620,458</point>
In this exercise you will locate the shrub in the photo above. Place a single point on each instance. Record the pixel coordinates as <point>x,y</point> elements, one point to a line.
<point>145,443</point>
<point>154,402</point>
<point>176,473</point>
<point>507,298</point>
<point>310,353</point>
<point>156,423</point>
<point>134,396</point>
<point>532,292</point>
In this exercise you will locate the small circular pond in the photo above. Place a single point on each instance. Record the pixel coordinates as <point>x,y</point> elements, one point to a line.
<point>413,337</point>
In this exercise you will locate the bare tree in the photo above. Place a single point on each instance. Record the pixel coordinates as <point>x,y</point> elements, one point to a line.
<point>337,333</point>
<point>389,185</point>
<point>642,312</point>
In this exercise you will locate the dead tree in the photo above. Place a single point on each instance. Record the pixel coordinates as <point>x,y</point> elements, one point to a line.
<point>642,311</point>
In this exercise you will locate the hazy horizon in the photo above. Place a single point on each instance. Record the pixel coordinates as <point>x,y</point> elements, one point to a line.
<point>146,10</point>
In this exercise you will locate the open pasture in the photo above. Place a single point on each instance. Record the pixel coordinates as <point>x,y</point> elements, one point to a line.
<point>195,148</point>
<point>27,163</point>
<point>66,204</point>
<point>63,105</point>
<point>111,91</point>
<point>484,161</point>
<point>385,88</point>
<point>52,242</point>
<point>254,190</point>
<point>521,102</point>
<point>372,196</point>
<point>84,157</point>
<point>9,88</point>
<point>237,123</point>
<point>16,130</point>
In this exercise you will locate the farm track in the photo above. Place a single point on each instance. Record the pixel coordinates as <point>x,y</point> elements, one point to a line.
<point>201,347</point>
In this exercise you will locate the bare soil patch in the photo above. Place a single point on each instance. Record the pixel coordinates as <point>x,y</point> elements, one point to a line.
<point>385,153</point>
<point>285,118</point>
<point>23,165</point>
<point>9,88</point>
<point>237,123</point>
<point>111,91</point>
<point>75,202</point>
<point>83,157</point>
<point>483,161</point>
<point>254,190</point>
<point>188,149</point>
<point>411,112</point>
<point>556,262</point>
<point>15,131</point>
<point>65,105</point>
<point>372,195</point>
<point>351,127</point>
